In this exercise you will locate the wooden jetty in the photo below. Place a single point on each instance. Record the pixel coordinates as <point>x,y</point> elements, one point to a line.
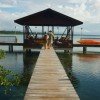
<point>10,45</point>
<point>85,46</point>
<point>49,80</point>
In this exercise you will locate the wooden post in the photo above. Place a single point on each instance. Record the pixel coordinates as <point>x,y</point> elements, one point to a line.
<point>84,49</point>
<point>28,51</point>
<point>68,50</point>
<point>10,48</point>
<point>48,28</point>
<point>72,32</point>
<point>68,27</point>
<point>23,34</point>
<point>53,29</point>
<point>65,51</point>
<point>68,35</point>
<point>42,31</point>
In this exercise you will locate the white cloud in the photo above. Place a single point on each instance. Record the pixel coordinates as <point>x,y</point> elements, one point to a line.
<point>84,10</point>
<point>78,11</point>
<point>81,13</point>
<point>7,3</point>
<point>7,20</point>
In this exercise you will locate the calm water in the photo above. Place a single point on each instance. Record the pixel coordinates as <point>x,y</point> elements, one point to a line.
<point>23,65</point>
<point>84,73</point>
<point>75,49</point>
<point>19,40</point>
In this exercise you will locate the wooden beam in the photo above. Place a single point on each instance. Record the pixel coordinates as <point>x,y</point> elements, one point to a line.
<point>42,31</point>
<point>53,29</point>
<point>84,49</point>
<point>10,48</point>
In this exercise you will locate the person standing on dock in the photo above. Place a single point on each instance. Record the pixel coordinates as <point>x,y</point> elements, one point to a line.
<point>50,39</point>
<point>46,37</point>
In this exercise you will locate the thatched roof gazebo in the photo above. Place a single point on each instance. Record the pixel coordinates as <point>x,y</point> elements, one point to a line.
<point>48,18</point>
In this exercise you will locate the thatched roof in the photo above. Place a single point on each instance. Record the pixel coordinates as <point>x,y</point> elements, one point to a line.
<point>48,17</point>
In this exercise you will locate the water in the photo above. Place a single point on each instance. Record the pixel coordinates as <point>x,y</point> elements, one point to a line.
<point>23,65</point>
<point>89,49</point>
<point>75,49</point>
<point>19,40</point>
<point>83,70</point>
<point>84,73</point>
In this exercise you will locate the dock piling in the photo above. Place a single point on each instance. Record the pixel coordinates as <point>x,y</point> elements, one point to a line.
<point>84,49</point>
<point>10,48</point>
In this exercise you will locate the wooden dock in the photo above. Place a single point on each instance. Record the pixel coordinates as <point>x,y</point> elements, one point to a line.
<point>10,45</point>
<point>49,80</point>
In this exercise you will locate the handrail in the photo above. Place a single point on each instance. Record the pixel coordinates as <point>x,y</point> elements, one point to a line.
<point>8,39</point>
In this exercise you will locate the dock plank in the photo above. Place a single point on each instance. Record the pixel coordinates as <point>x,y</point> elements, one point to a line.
<point>49,80</point>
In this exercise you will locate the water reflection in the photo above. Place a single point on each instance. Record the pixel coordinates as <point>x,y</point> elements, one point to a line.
<point>29,60</point>
<point>66,60</point>
<point>23,65</point>
<point>87,69</point>
<point>88,57</point>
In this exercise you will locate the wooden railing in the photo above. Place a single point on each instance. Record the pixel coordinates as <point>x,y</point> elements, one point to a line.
<point>8,39</point>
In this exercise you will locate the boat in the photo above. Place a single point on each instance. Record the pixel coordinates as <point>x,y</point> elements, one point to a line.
<point>89,42</point>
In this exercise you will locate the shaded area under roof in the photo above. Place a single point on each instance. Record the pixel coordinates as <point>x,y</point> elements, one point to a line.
<point>48,17</point>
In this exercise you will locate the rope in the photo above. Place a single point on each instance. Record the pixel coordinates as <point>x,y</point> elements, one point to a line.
<point>64,32</point>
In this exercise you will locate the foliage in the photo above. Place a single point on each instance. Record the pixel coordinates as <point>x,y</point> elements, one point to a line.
<point>7,77</point>
<point>2,54</point>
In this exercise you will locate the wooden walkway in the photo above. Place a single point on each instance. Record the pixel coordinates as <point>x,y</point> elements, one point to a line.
<point>34,46</point>
<point>49,80</point>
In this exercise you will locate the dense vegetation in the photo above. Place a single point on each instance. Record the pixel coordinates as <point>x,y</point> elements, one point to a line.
<point>7,77</point>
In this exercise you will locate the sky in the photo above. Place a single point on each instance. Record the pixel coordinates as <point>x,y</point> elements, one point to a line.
<point>87,11</point>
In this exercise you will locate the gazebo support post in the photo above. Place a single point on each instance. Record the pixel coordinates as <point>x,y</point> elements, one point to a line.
<point>68,32</point>
<point>42,31</point>
<point>53,29</point>
<point>23,34</point>
<point>26,33</point>
<point>48,28</point>
<point>69,36</point>
<point>72,32</point>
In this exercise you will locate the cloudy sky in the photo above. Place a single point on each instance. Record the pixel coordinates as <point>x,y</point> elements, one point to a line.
<point>87,11</point>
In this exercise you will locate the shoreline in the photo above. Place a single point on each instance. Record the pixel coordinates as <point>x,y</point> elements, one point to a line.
<point>21,33</point>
